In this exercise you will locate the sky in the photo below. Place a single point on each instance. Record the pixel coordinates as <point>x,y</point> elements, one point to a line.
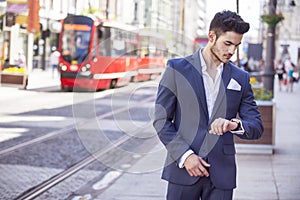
<point>249,11</point>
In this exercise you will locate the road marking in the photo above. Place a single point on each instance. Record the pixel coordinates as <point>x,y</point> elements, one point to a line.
<point>126,166</point>
<point>85,197</point>
<point>106,180</point>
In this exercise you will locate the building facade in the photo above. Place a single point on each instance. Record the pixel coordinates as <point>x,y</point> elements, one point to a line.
<point>181,21</point>
<point>288,30</point>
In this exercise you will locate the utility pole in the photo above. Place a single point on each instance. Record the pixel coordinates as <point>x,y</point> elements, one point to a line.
<point>135,14</point>
<point>33,27</point>
<point>107,9</point>
<point>268,73</point>
<point>238,49</point>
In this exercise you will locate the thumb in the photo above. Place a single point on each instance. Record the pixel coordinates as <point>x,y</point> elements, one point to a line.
<point>225,126</point>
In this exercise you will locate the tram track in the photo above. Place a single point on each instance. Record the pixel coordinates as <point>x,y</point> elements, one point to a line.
<point>38,189</point>
<point>65,130</point>
<point>46,185</point>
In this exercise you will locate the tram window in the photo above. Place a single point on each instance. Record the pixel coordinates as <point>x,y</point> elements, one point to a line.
<point>105,42</point>
<point>100,33</point>
<point>82,40</point>
<point>95,42</point>
<point>131,44</point>
<point>131,49</point>
<point>118,48</point>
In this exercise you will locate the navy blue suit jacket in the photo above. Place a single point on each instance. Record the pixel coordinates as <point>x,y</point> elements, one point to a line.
<point>182,121</point>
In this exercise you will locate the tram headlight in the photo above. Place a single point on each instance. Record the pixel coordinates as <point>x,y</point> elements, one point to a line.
<point>63,67</point>
<point>86,68</point>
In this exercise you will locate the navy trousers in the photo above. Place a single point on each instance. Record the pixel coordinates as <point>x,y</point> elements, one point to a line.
<point>202,190</point>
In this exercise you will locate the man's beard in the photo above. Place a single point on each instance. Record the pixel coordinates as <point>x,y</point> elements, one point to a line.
<point>214,51</point>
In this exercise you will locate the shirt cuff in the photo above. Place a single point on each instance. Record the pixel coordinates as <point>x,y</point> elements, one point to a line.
<point>241,129</point>
<point>184,157</point>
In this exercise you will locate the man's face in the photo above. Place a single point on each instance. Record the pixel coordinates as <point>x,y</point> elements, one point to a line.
<point>225,46</point>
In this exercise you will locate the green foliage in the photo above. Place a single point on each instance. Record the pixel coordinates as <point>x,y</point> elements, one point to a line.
<point>37,36</point>
<point>262,94</point>
<point>272,20</point>
<point>89,11</point>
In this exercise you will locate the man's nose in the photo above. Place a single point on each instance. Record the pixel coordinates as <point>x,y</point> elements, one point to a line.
<point>232,49</point>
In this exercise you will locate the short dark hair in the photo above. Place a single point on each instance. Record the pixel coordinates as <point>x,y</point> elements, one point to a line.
<point>228,21</point>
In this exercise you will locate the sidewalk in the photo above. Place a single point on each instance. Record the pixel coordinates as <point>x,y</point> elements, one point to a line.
<point>274,177</point>
<point>260,177</point>
<point>42,79</point>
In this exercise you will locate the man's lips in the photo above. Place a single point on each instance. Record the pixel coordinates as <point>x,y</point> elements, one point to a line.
<point>228,56</point>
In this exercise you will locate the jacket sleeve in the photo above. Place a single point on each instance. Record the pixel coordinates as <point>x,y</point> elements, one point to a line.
<point>250,115</point>
<point>164,116</point>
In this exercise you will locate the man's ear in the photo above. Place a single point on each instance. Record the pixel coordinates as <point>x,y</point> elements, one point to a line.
<point>211,36</point>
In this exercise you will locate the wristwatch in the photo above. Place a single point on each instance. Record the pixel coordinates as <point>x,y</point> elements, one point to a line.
<point>238,124</point>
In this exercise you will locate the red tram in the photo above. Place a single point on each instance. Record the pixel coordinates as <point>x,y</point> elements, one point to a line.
<point>200,42</point>
<point>97,54</point>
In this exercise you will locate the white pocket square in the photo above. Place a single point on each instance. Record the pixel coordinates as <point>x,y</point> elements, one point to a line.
<point>234,85</point>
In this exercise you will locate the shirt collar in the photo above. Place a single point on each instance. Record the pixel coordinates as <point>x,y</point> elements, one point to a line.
<point>203,64</point>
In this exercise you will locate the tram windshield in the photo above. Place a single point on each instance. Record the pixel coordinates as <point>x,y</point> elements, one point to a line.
<point>75,42</point>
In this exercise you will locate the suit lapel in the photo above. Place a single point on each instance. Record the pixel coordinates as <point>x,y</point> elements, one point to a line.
<point>197,81</point>
<point>219,109</point>
<point>226,75</point>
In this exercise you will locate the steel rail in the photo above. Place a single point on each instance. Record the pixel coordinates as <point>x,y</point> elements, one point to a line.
<point>66,130</point>
<point>48,184</point>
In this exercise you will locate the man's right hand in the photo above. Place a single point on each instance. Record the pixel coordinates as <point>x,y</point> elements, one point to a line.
<point>195,166</point>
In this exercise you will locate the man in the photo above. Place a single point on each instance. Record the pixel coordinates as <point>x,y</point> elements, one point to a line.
<point>203,100</point>
<point>21,60</point>
<point>54,61</point>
